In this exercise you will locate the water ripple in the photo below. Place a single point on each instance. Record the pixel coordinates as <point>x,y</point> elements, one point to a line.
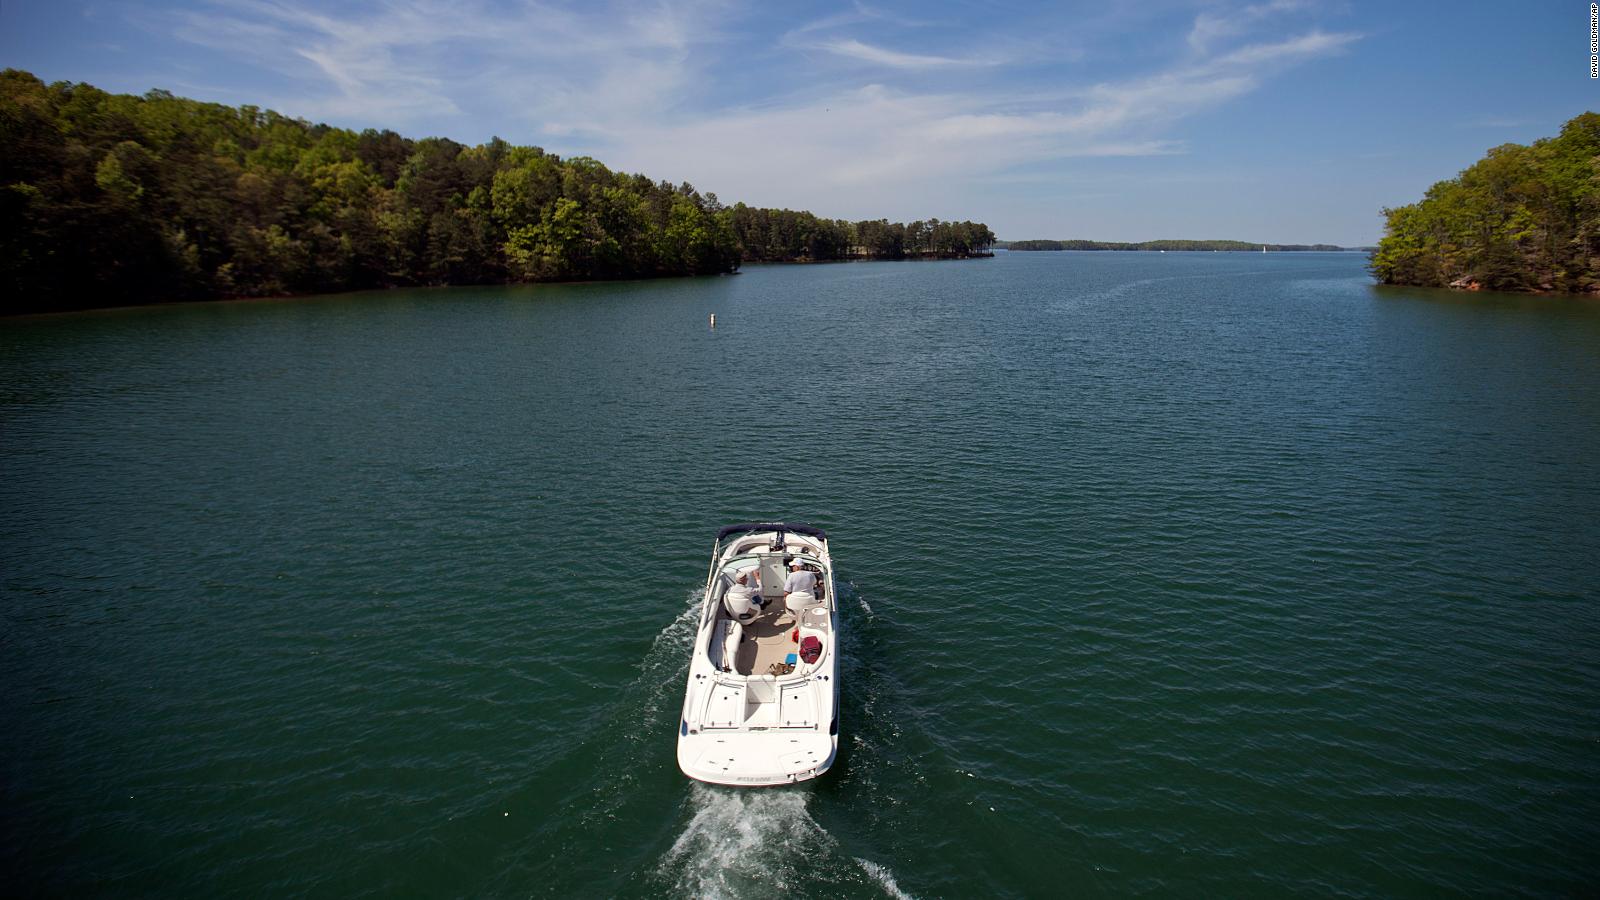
<point>1180,574</point>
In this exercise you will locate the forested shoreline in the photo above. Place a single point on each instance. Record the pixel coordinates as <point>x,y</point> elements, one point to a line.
<point>1523,218</point>
<point>111,199</point>
<point>1178,245</point>
<point>783,235</point>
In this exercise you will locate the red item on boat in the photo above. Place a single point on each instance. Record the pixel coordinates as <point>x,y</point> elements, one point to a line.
<point>810,648</point>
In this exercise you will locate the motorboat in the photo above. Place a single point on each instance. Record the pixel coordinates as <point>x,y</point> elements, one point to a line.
<point>762,702</point>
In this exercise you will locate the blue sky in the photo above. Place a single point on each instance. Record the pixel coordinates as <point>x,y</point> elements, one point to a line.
<point>1277,120</point>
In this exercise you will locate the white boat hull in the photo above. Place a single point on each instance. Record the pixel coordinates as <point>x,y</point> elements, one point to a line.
<point>756,760</point>
<point>755,713</point>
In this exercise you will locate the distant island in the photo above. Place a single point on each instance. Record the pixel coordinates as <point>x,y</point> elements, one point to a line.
<point>113,199</point>
<point>1164,245</point>
<point>1520,219</point>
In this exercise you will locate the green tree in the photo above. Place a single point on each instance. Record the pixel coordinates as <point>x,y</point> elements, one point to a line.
<point>1522,218</point>
<point>117,198</point>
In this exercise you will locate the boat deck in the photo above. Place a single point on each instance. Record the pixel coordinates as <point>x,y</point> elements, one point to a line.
<point>766,640</point>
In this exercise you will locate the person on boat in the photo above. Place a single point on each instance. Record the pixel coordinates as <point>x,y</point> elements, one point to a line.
<point>741,605</point>
<point>744,594</point>
<point>800,590</point>
<point>737,577</point>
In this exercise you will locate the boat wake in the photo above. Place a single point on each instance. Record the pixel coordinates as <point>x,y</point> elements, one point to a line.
<point>749,842</point>
<point>744,843</point>
<point>633,750</point>
<point>673,641</point>
<point>883,877</point>
<point>865,606</point>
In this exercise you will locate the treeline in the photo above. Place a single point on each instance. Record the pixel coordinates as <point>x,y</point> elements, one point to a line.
<point>1164,245</point>
<point>1520,219</point>
<point>110,199</point>
<point>784,235</point>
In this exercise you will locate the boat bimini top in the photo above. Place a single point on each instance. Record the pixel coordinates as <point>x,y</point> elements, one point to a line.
<point>778,527</point>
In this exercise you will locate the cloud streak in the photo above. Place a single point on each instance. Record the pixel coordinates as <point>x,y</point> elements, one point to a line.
<point>411,59</point>
<point>894,59</point>
<point>863,147</point>
<point>1212,27</point>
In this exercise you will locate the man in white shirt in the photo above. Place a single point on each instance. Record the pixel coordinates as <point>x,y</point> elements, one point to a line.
<point>743,592</point>
<point>800,589</point>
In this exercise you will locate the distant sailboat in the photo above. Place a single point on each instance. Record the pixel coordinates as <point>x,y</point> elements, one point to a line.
<point>1263,248</point>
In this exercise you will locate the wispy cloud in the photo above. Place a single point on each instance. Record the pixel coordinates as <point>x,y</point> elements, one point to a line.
<point>871,147</point>
<point>680,89</point>
<point>1213,26</point>
<point>859,13</point>
<point>1315,43</point>
<point>894,59</point>
<point>410,59</point>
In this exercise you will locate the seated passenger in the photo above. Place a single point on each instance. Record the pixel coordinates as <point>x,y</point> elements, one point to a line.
<point>800,589</point>
<point>740,603</point>
<point>743,601</point>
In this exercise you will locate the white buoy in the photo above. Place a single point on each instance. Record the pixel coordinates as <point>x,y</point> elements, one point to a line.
<point>713,320</point>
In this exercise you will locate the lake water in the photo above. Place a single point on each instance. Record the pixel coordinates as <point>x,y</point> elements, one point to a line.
<point>1178,574</point>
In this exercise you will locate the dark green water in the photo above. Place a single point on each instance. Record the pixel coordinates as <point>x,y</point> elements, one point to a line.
<point>1214,574</point>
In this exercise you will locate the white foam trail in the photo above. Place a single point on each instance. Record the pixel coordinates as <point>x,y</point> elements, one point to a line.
<point>744,843</point>
<point>678,635</point>
<point>659,684</point>
<point>659,671</point>
<point>884,878</point>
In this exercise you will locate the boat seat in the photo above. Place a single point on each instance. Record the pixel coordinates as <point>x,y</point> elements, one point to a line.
<point>800,601</point>
<point>725,641</point>
<point>738,602</point>
<point>732,647</point>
